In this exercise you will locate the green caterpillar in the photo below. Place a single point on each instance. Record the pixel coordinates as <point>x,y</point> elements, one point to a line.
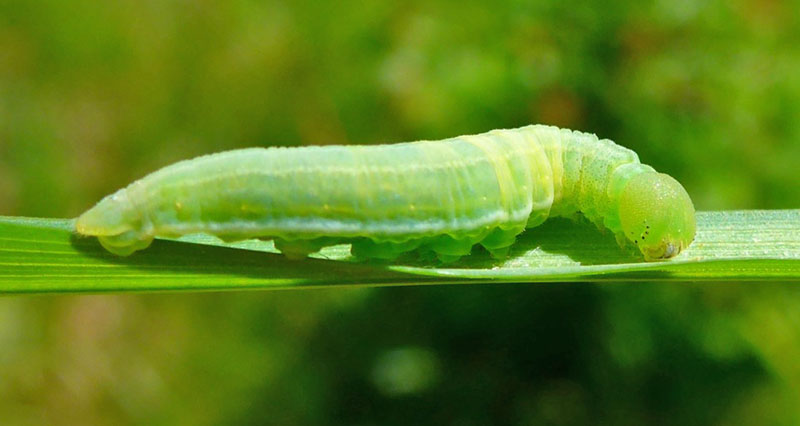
<point>445,196</point>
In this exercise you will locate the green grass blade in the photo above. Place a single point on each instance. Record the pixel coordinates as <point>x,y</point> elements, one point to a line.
<point>730,245</point>
<point>44,255</point>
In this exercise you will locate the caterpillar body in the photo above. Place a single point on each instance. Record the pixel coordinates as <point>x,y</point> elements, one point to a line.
<point>445,196</point>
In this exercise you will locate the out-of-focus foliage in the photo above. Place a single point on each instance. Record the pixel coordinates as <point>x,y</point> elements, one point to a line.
<point>95,94</point>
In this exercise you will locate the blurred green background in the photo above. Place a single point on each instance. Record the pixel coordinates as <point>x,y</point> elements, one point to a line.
<point>96,94</point>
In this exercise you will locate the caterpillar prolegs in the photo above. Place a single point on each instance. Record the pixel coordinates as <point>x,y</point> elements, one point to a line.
<point>445,196</point>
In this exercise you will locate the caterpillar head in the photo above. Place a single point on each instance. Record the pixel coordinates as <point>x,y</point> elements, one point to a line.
<point>115,222</point>
<point>657,215</point>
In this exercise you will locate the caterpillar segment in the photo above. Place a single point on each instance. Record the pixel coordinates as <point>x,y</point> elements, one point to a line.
<point>385,200</point>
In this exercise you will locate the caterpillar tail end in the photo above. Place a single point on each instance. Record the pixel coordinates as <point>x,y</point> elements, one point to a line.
<point>657,216</point>
<point>113,222</point>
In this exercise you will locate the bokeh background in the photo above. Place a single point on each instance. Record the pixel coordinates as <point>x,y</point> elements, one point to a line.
<point>95,94</point>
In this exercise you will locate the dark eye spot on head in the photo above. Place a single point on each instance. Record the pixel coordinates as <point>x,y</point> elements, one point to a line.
<point>642,236</point>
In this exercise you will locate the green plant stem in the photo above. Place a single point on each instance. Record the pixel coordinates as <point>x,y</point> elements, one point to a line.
<point>45,256</point>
